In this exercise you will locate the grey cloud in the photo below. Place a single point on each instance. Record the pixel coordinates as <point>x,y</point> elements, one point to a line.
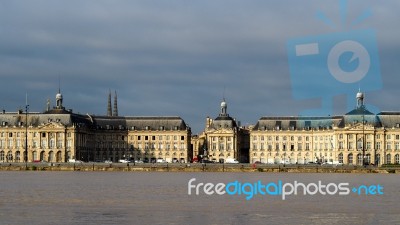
<point>173,57</point>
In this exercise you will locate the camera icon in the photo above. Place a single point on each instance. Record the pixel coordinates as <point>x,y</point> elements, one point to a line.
<point>327,65</point>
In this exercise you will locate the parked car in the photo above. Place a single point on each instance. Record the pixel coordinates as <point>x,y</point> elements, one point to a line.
<point>107,161</point>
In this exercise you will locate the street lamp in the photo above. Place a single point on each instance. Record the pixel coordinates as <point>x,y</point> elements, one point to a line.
<point>26,133</point>
<point>363,141</point>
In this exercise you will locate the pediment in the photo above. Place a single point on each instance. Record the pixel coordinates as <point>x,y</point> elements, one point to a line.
<point>359,126</point>
<point>52,125</point>
<point>220,131</point>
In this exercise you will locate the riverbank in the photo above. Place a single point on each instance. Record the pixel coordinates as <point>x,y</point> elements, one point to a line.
<point>197,167</point>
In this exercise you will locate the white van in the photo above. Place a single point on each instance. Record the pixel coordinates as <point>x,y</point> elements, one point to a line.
<point>161,161</point>
<point>124,161</point>
<point>231,161</point>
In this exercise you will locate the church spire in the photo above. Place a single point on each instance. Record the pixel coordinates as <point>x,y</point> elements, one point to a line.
<point>109,112</point>
<point>115,113</point>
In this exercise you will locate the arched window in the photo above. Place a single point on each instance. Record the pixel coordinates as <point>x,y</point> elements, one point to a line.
<point>388,159</point>
<point>368,159</point>
<point>359,159</point>
<point>1,155</point>
<point>9,156</point>
<point>51,156</point>
<point>17,156</point>
<point>350,158</point>
<point>340,158</point>
<point>34,155</point>
<point>42,153</point>
<point>397,159</point>
<point>58,156</point>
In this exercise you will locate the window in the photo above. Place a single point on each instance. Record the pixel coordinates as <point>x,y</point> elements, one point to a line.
<point>341,145</point>
<point>388,146</point>
<point>351,145</point>
<point>307,146</point>
<point>43,134</point>
<point>9,134</point>
<point>340,158</point>
<point>388,159</point>
<point>378,145</point>
<point>397,159</point>
<point>350,158</point>
<point>182,138</point>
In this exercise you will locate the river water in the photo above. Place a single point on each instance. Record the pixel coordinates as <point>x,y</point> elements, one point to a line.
<point>162,198</point>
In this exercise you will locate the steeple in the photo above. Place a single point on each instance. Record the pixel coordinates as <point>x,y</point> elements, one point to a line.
<point>109,112</point>
<point>115,113</point>
<point>360,99</point>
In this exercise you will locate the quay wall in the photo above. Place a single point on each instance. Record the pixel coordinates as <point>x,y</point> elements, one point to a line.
<point>197,167</point>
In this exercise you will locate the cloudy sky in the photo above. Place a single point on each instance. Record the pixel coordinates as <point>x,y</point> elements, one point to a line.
<point>178,57</point>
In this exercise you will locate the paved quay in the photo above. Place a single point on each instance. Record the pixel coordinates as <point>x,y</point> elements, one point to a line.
<point>195,167</point>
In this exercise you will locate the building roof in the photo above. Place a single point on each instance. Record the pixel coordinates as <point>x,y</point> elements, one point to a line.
<point>140,123</point>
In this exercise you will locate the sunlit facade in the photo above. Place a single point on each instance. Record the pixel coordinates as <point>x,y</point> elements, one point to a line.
<point>349,139</point>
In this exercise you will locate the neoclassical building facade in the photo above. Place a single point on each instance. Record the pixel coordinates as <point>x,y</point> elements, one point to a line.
<point>58,135</point>
<point>354,138</point>
<point>223,138</point>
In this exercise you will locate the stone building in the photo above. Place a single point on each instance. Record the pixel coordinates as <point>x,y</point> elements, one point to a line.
<point>223,138</point>
<point>352,138</point>
<point>58,135</point>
